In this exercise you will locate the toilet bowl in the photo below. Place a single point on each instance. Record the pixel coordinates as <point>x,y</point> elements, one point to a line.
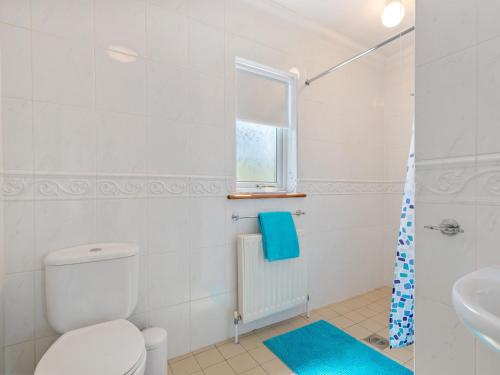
<point>90,291</point>
<point>110,348</point>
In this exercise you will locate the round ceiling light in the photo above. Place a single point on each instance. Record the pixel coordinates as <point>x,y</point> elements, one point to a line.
<point>393,14</point>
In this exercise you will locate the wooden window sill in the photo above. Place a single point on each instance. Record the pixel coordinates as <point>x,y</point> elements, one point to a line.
<point>265,195</point>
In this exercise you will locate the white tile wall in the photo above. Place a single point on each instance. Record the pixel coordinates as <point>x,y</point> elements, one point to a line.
<point>70,19</point>
<point>64,138</point>
<point>172,270</point>
<point>120,87</point>
<point>63,71</point>
<point>206,48</point>
<point>16,62</point>
<point>168,151</point>
<point>16,12</point>
<point>488,26</point>
<point>216,310</point>
<point>207,150</point>
<point>444,345</point>
<point>446,27</point>
<point>167,36</point>
<point>118,124</point>
<point>488,65</point>
<point>17,120</point>
<point>42,326</point>
<point>19,308</point>
<point>206,99</point>
<point>207,220</point>
<point>457,169</point>
<point>168,91</point>
<point>167,225</point>
<point>19,241</point>
<point>448,89</point>
<point>210,270</point>
<point>122,143</point>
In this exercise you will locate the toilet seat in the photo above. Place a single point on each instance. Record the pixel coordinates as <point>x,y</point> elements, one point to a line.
<point>111,348</point>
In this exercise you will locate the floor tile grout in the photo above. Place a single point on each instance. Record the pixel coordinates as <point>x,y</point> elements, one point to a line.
<point>378,299</point>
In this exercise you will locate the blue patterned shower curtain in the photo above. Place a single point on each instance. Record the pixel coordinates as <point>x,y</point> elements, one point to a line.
<point>402,305</point>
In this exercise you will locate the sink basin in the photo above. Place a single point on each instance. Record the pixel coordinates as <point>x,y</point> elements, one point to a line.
<point>476,299</point>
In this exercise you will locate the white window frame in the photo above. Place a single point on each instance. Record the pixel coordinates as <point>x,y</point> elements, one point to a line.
<point>285,137</point>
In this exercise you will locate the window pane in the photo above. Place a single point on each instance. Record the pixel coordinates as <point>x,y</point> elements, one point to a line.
<point>256,153</point>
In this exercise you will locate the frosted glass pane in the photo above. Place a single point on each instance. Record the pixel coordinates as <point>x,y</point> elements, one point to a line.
<point>256,153</point>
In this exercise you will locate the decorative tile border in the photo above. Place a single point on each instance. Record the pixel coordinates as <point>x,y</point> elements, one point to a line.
<point>161,187</point>
<point>17,186</point>
<point>53,186</point>
<point>210,186</point>
<point>462,180</point>
<point>121,187</point>
<point>344,187</point>
<point>64,187</point>
<point>27,186</point>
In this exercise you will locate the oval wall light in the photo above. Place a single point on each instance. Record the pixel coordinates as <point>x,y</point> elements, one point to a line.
<point>122,54</point>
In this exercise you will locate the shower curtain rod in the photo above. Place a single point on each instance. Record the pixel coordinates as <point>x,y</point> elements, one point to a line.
<point>359,55</point>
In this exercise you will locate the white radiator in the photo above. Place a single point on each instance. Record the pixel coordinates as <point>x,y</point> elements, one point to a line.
<point>266,288</point>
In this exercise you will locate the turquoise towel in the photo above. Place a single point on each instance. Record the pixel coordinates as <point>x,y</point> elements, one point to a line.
<point>279,237</point>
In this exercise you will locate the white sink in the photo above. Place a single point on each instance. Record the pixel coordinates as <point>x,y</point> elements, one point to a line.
<point>476,298</point>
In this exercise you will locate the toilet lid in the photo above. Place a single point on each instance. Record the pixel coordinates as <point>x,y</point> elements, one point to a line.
<point>111,348</point>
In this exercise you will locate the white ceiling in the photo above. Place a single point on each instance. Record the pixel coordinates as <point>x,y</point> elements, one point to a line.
<point>358,20</point>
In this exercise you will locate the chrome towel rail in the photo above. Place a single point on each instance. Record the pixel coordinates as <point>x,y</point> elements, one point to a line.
<point>236,217</point>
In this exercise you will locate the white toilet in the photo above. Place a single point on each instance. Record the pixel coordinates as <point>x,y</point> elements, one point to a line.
<point>91,290</point>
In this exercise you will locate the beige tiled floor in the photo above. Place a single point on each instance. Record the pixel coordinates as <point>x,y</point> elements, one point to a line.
<point>359,316</point>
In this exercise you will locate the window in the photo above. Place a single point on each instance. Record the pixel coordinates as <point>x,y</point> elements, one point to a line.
<point>265,128</point>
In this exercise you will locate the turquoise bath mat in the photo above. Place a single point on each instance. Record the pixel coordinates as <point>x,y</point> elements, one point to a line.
<point>322,349</point>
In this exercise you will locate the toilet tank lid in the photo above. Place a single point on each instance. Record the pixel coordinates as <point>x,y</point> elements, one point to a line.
<point>91,253</point>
